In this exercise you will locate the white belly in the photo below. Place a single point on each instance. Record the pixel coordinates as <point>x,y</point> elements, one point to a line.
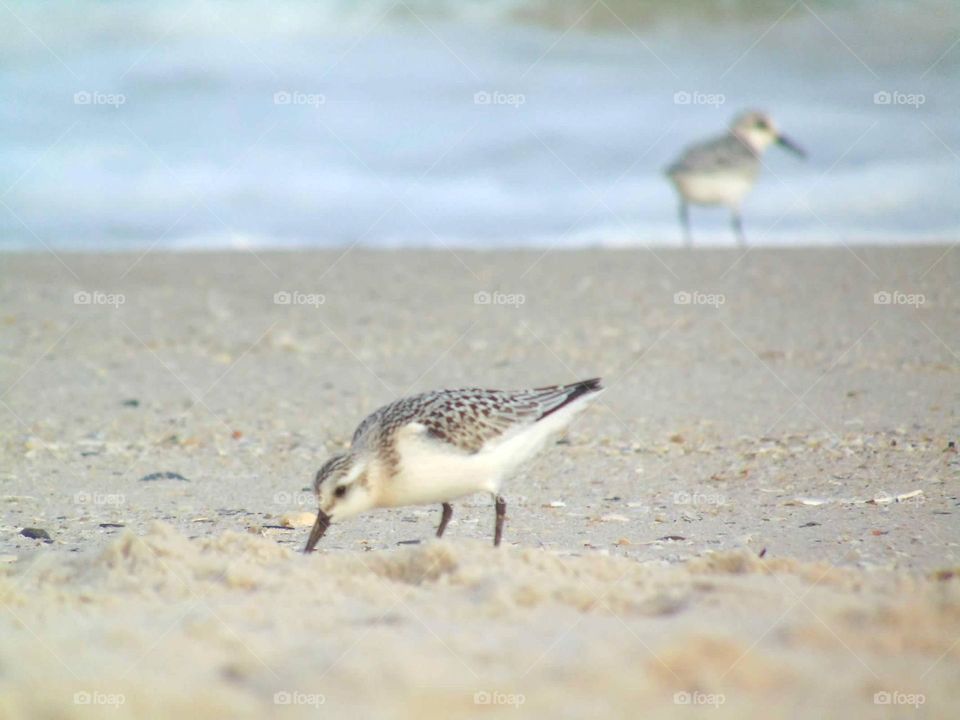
<point>726,189</point>
<point>432,471</point>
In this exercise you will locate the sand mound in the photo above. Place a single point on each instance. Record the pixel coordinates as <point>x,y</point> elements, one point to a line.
<point>238,626</point>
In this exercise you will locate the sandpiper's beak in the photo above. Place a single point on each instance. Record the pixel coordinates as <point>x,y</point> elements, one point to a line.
<point>790,145</point>
<point>319,528</point>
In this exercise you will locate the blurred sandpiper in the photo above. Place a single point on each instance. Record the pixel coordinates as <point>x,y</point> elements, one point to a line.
<point>722,170</point>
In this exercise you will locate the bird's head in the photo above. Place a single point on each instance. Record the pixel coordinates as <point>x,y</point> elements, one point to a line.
<point>343,490</point>
<point>758,130</point>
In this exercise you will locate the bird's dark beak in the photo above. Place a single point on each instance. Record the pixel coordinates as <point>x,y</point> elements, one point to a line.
<point>319,528</point>
<point>790,145</point>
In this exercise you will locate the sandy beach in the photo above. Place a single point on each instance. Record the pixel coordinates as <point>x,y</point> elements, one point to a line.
<point>757,519</point>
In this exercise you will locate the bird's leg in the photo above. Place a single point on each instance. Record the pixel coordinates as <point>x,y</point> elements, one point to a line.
<point>445,518</point>
<point>737,224</point>
<point>685,224</point>
<point>501,506</point>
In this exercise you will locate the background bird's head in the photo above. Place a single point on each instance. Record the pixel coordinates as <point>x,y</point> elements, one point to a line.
<point>758,130</point>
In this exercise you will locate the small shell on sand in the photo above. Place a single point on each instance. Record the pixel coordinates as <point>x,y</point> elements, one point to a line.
<point>614,518</point>
<point>297,519</point>
<point>807,501</point>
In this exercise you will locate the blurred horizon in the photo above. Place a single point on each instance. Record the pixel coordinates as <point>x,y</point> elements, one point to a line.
<point>431,123</point>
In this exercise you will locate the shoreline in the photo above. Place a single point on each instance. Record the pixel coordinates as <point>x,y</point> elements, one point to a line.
<point>725,245</point>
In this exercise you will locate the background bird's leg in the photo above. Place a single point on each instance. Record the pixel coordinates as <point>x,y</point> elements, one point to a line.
<point>737,224</point>
<point>445,518</point>
<point>685,224</point>
<point>501,506</point>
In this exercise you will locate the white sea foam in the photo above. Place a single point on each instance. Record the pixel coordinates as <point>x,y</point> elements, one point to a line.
<point>318,125</point>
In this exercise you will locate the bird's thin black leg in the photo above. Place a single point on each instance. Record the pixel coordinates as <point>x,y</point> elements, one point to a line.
<point>445,518</point>
<point>501,506</point>
<point>738,228</point>
<point>685,224</point>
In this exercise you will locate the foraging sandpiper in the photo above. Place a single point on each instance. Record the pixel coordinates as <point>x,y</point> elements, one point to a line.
<point>442,445</point>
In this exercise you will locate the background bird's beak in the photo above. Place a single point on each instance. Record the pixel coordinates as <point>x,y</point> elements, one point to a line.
<point>319,528</point>
<point>790,145</point>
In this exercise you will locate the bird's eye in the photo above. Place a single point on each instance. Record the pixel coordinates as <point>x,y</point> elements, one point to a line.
<point>340,491</point>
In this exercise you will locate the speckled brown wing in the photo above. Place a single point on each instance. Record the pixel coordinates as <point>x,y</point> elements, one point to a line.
<point>385,421</point>
<point>468,418</point>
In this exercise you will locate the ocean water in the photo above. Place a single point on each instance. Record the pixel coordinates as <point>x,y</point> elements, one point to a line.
<point>191,124</point>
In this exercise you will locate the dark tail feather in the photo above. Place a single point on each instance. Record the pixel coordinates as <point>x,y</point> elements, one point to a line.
<point>574,391</point>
